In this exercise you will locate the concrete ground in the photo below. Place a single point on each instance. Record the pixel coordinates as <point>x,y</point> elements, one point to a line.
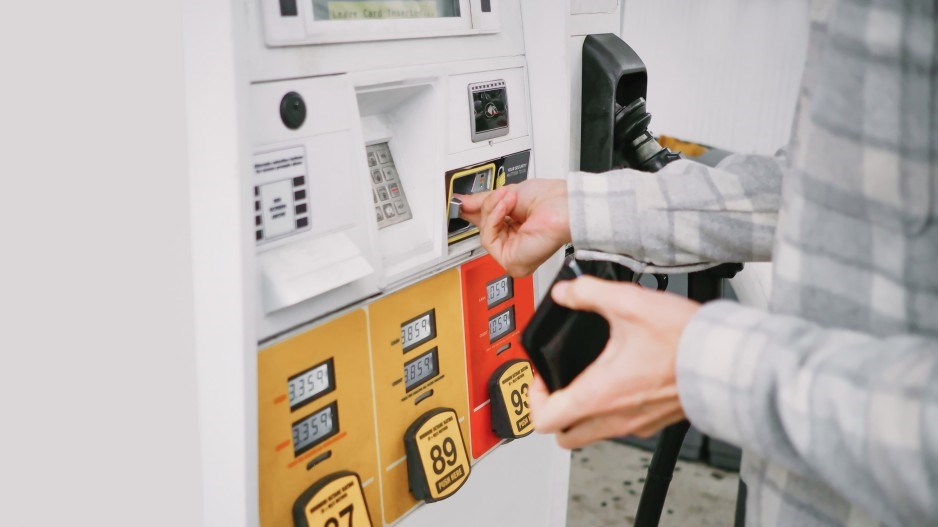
<point>606,482</point>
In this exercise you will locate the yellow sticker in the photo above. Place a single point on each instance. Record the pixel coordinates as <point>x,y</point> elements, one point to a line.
<point>350,10</point>
<point>514,384</point>
<point>443,454</point>
<point>336,502</point>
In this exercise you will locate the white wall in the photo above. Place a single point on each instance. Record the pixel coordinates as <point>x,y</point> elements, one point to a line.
<point>721,72</point>
<point>97,371</point>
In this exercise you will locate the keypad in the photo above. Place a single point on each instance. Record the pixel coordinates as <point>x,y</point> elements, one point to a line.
<point>391,205</point>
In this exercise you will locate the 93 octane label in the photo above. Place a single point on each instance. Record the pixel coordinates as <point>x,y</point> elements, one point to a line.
<point>514,385</point>
<point>337,503</point>
<point>443,454</point>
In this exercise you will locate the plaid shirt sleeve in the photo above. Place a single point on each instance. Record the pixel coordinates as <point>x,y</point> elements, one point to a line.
<point>856,411</point>
<point>681,216</point>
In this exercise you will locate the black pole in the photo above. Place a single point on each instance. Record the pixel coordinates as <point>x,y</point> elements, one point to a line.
<point>702,286</point>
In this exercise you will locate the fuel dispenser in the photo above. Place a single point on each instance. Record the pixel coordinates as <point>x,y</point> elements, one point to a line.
<point>497,307</point>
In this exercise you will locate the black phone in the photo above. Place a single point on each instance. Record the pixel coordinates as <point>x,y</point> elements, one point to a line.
<point>562,342</point>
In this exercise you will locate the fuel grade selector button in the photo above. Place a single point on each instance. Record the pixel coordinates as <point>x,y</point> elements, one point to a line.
<point>508,389</point>
<point>334,500</point>
<point>437,461</point>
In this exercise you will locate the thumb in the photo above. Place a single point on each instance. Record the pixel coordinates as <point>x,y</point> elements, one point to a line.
<point>471,209</point>
<point>607,298</point>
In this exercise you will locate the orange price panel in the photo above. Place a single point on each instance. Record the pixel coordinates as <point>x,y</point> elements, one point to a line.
<point>497,308</point>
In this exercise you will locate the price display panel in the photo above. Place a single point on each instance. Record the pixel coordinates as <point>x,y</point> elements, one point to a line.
<point>415,373</point>
<point>305,387</point>
<point>313,430</point>
<point>497,307</point>
<point>316,418</point>
<point>418,330</point>
<point>499,290</point>
<point>336,499</point>
<point>501,324</point>
<point>421,369</point>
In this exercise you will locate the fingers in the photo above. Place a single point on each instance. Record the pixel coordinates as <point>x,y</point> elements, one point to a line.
<point>609,299</point>
<point>494,230</point>
<point>615,424</point>
<point>471,209</point>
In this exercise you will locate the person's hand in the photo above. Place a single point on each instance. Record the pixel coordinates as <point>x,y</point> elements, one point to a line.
<point>521,225</point>
<point>631,388</point>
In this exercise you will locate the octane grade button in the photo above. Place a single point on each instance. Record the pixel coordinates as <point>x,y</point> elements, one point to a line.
<point>292,110</point>
<point>336,499</point>
<point>508,390</point>
<point>437,461</point>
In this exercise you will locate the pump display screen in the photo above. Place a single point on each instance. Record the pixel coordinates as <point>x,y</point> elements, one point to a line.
<point>312,430</point>
<point>418,330</point>
<point>489,109</point>
<point>303,387</point>
<point>421,369</point>
<point>383,9</point>
<point>499,290</point>
<point>502,324</point>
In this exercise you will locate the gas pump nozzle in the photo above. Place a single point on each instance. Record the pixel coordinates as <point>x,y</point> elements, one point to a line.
<point>637,146</point>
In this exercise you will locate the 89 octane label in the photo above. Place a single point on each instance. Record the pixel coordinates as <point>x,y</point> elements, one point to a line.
<point>443,454</point>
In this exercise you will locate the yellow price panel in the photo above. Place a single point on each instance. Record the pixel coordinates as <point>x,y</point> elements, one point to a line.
<point>437,462</point>
<point>419,361</point>
<point>334,501</point>
<point>316,419</point>
<point>508,389</point>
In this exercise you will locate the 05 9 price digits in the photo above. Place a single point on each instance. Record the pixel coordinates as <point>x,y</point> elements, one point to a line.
<point>443,456</point>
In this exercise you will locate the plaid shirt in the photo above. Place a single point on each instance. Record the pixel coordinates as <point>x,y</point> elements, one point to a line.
<point>833,393</point>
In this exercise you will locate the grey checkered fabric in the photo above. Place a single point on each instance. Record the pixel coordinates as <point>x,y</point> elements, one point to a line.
<point>833,393</point>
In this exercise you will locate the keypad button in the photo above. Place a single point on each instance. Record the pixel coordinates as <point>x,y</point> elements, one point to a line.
<point>374,195</point>
<point>390,173</point>
<point>383,194</point>
<point>395,190</point>
<point>378,214</point>
<point>389,211</point>
<point>384,156</point>
<point>376,176</point>
<point>400,206</point>
<point>372,159</point>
